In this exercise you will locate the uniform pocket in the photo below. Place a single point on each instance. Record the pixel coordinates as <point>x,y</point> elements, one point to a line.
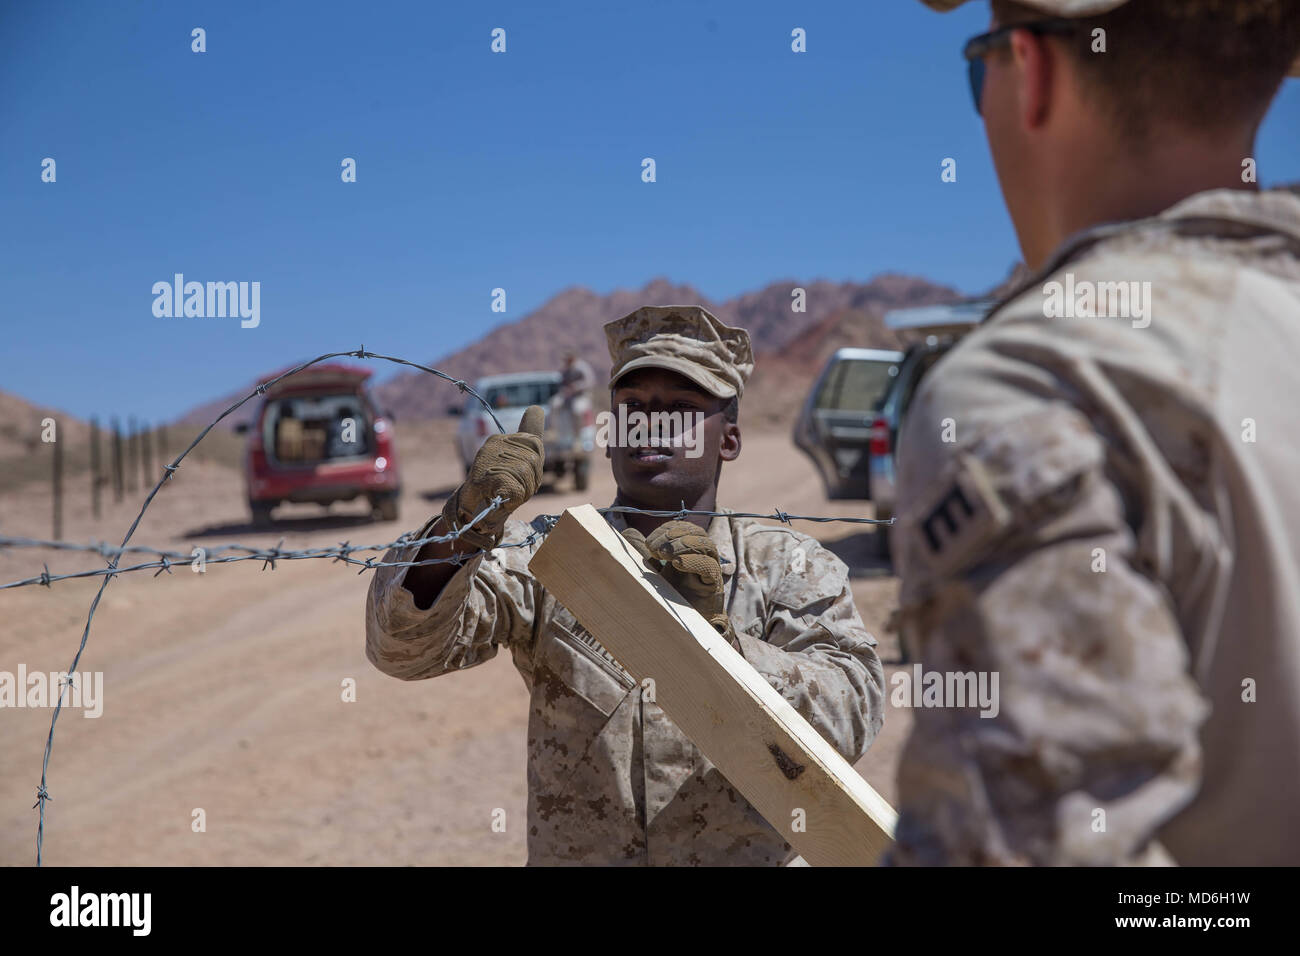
<point>809,591</point>
<point>582,668</point>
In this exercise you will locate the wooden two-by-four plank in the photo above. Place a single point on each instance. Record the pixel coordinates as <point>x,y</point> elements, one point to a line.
<point>789,772</point>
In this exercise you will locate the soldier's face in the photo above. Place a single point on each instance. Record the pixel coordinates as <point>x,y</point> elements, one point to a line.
<point>679,461</point>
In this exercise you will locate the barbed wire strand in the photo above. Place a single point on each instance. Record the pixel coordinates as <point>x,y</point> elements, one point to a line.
<point>166,560</point>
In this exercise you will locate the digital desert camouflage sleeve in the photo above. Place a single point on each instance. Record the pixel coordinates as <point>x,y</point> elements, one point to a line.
<point>1094,743</point>
<point>813,647</point>
<point>489,602</point>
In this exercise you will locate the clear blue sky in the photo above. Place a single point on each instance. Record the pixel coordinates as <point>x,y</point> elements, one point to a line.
<point>475,171</point>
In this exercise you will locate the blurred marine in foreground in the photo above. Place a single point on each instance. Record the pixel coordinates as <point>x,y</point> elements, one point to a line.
<point>1100,494</point>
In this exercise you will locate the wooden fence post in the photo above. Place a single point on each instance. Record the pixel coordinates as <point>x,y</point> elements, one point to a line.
<point>146,458</point>
<point>118,483</point>
<point>132,452</point>
<point>58,483</point>
<point>95,467</point>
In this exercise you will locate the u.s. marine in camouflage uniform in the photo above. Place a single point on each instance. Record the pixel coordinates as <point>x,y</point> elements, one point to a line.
<point>611,780</point>
<point>1113,530</point>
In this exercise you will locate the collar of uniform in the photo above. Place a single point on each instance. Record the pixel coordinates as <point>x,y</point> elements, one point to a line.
<point>719,532</point>
<point>1265,210</point>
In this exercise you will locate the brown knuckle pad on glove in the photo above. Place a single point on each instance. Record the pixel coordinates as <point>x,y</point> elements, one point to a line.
<point>677,537</point>
<point>702,568</point>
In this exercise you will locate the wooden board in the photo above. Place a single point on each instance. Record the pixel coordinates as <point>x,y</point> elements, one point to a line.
<point>728,709</point>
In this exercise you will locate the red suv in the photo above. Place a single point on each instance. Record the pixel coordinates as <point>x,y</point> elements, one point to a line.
<point>317,437</point>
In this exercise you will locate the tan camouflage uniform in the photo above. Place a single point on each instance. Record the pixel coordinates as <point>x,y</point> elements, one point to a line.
<point>1123,690</point>
<point>611,780</point>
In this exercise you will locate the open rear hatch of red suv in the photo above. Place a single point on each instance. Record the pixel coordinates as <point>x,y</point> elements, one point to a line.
<point>318,439</point>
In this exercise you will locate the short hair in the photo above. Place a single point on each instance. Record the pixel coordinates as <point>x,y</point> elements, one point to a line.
<point>1206,65</point>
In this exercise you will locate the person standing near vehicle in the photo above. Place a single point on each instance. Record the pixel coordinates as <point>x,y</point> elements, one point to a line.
<point>1098,492</point>
<point>571,403</point>
<point>576,376</point>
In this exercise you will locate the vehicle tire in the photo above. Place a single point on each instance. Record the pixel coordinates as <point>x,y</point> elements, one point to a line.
<point>582,474</point>
<point>261,513</point>
<point>385,507</point>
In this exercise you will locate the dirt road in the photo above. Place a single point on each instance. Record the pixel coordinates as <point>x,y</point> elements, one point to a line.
<point>223,691</point>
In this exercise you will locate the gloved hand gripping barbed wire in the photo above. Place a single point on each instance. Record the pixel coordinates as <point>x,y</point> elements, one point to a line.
<point>508,470</point>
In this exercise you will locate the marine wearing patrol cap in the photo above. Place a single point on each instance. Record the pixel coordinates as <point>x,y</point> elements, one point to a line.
<point>686,339</point>
<point>780,599</point>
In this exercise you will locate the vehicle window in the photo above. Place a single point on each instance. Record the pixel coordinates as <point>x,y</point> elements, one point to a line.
<point>829,392</point>
<point>923,365</point>
<point>520,394</point>
<point>855,385</point>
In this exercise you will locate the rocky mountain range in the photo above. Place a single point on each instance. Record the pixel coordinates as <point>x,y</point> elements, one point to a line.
<point>789,346</point>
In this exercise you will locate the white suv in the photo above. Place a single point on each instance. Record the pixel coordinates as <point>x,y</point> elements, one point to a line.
<point>570,432</point>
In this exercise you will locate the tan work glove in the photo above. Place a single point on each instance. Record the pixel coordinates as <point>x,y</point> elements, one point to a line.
<point>687,557</point>
<point>507,466</point>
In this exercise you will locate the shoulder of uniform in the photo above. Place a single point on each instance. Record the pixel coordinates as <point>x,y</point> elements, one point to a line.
<point>796,564</point>
<point>771,535</point>
<point>973,474</point>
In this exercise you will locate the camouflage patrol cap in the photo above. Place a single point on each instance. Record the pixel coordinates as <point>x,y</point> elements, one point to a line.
<point>1065,8</point>
<point>686,339</point>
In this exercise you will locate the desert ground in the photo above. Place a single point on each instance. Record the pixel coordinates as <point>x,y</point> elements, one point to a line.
<point>222,690</point>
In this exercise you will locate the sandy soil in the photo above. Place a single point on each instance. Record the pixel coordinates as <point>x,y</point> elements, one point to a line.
<point>222,691</point>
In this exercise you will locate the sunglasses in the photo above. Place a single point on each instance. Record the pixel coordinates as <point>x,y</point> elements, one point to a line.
<point>981,46</point>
